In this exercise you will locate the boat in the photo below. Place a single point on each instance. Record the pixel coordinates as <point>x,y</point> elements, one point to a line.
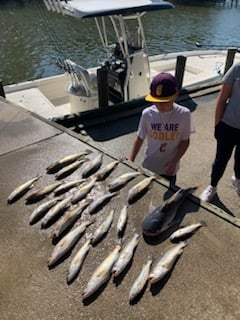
<point>123,78</point>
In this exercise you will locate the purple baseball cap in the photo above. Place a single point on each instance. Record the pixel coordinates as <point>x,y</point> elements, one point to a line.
<point>163,88</point>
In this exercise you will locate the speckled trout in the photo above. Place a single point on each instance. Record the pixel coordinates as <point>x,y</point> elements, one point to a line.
<point>41,192</point>
<point>107,170</point>
<point>42,209</point>
<point>21,190</point>
<point>57,165</point>
<point>103,228</point>
<point>67,242</point>
<point>141,280</point>
<point>166,262</point>
<point>125,255</point>
<point>186,231</point>
<point>66,171</point>
<point>98,203</point>
<point>119,182</point>
<point>92,166</point>
<point>83,190</point>
<point>55,211</point>
<point>162,217</point>
<point>122,219</point>
<point>77,261</point>
<point>102,273</point>
<point>139,189</point>
<point>66,186</point>
<point>69,218</point>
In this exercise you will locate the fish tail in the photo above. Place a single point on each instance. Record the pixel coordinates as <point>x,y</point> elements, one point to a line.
<point>192,189</point>
<point>203,223</point>
<point>89,236</point>
<point>88,151</point>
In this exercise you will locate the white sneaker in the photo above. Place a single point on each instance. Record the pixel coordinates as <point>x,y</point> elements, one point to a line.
<point>208,193</point>
<point>236,184</point>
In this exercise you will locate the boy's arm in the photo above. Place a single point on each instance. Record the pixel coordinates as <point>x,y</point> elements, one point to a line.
<point>182,148</point>
<point>135,148</point>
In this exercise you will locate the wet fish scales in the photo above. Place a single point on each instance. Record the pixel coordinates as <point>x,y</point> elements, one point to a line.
<point>162,217</point>
<point>67,242</point>
<point>21,190</point>
<point>103,228</point>
<point>139,189</point>
<point>102,273</point>
<point>186,231</point>
<point>41,210</point>
<point>141,280</point>
<point>166,262</point>
<point>77,261</point>
<point>66,171</point>
<point>55,211</point>
<point>119,182</point>
<point>83,191</point>
<point>41,192</point>
<point>67,186</point>
<point>125,255</point>
<point>103,173</point>
<point>69,218</point>
<point>92,166</point>
<point>59,164</point>
<point>122,220</point>
<point>97,204</point>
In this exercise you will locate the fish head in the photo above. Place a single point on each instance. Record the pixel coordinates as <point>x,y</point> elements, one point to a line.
<point>153,223</point>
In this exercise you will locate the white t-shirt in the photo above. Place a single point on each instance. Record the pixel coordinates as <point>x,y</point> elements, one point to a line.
<point>164,131</point>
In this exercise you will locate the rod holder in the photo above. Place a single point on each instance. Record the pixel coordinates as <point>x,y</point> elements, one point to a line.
<point>180,69</point>
<point>103,90</point>
<point>230,58</point>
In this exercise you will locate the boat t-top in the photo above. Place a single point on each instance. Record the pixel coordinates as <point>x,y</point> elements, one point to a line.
<point>125,73</point>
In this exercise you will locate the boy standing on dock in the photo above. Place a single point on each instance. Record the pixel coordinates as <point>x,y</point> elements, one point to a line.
<point>167,127</point>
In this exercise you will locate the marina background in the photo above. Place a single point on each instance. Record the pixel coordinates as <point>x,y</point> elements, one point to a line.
<point>32,39</point>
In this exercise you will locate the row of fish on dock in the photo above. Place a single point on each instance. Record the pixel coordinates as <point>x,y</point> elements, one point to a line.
<point>64,211</point>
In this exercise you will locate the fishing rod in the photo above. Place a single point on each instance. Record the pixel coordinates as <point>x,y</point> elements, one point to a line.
<point>199,45</point>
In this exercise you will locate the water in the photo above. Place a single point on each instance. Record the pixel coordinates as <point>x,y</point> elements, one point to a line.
<point>32,39</point>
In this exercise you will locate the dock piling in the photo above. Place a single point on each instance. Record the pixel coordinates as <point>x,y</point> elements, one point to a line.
<point>2,93</point>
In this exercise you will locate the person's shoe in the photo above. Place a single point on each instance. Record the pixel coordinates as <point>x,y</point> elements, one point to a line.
<point>208,193</point>
<point>236,184</point>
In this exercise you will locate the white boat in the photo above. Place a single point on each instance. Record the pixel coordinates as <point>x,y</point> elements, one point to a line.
<point>124,76</point>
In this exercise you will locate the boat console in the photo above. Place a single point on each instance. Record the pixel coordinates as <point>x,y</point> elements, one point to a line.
<point>124,74</point>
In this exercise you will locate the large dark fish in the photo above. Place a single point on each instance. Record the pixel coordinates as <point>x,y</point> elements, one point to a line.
<point>162,217</point>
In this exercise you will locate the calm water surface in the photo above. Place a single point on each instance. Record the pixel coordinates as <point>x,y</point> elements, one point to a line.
<point>32,39</point>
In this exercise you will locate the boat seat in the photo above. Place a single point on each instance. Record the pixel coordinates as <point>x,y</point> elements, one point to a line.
<point>82,80</point>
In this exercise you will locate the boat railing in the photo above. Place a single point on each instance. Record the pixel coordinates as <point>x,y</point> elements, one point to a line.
<point>54,5</point>
<point>82,82</point>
